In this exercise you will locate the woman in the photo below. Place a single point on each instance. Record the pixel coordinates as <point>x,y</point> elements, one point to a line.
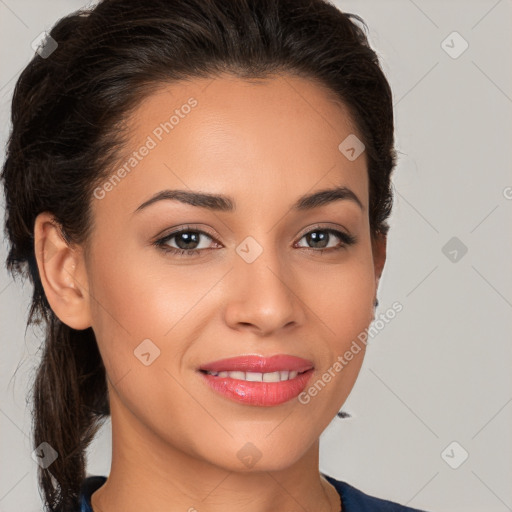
<point>198,191</point>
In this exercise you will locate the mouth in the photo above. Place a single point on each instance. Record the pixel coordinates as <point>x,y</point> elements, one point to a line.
<point>256,380</point>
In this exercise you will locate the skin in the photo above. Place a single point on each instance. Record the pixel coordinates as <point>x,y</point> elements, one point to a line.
<point>175,440</point>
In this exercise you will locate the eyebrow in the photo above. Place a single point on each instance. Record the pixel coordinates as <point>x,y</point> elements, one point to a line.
<point>224,203</point>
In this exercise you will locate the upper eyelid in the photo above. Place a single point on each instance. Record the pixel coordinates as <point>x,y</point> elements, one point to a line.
<point>186,230</point>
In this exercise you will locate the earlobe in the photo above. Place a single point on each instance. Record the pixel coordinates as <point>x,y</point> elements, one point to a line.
<point>62,272</point>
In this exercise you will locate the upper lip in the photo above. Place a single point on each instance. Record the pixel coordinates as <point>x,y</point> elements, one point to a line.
<point>254,363</point>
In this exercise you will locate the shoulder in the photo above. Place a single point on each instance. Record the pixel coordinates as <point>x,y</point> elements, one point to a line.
<point>355,500</point>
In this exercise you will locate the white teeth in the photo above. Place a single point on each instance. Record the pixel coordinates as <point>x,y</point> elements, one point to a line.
<point>236,375</point>
<point>271,377</point>
<point>254,377</point>
<point>278,376</point>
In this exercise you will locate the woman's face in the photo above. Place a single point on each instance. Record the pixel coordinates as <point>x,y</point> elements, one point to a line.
<point>259,282</point>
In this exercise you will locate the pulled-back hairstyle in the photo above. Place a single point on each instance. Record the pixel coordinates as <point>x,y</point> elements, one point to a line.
<point>69,112</point>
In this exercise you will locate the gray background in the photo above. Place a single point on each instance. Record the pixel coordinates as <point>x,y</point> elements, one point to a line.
<point>440,371</point>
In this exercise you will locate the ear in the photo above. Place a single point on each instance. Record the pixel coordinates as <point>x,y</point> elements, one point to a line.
<point>379,244</point>
<point>62,272</point>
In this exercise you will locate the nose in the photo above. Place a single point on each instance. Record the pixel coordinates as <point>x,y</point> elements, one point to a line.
<point>264,295</point>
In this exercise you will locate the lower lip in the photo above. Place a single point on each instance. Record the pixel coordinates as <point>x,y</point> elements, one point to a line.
<point>264,394</point>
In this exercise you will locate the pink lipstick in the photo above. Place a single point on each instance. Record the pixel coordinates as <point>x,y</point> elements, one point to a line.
<point>256,380</point>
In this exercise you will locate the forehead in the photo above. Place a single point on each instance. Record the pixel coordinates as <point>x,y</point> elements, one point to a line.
<point>286,104</point>
<point>269,140</point>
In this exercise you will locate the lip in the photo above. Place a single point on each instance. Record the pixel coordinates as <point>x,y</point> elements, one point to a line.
<point>265,394</point>
<point>253,363</point>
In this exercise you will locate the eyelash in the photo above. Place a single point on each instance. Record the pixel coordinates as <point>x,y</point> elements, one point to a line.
<point>346,240</point>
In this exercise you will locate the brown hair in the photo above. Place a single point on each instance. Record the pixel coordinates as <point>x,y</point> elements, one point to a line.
<point>68,114</point>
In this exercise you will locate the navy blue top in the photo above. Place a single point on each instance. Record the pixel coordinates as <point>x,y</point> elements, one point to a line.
<point>352,499</point>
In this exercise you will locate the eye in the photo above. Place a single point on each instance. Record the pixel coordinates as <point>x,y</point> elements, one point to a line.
<point>186,240</point>
<point>320,238</point>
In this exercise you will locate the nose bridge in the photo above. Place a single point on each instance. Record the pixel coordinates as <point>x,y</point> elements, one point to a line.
<point>262,292</point>
<point>258,262</point>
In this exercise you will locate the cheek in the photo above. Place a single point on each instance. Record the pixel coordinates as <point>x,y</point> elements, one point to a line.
<point>126,305</point>
<point>134,301</point>
<point>345,306</point>
<point>344,297</point>
<point>133,319</point>
<point>133,294</point>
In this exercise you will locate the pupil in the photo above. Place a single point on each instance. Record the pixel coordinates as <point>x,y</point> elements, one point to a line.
<point>322,237</point>
<point>189,238</point>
